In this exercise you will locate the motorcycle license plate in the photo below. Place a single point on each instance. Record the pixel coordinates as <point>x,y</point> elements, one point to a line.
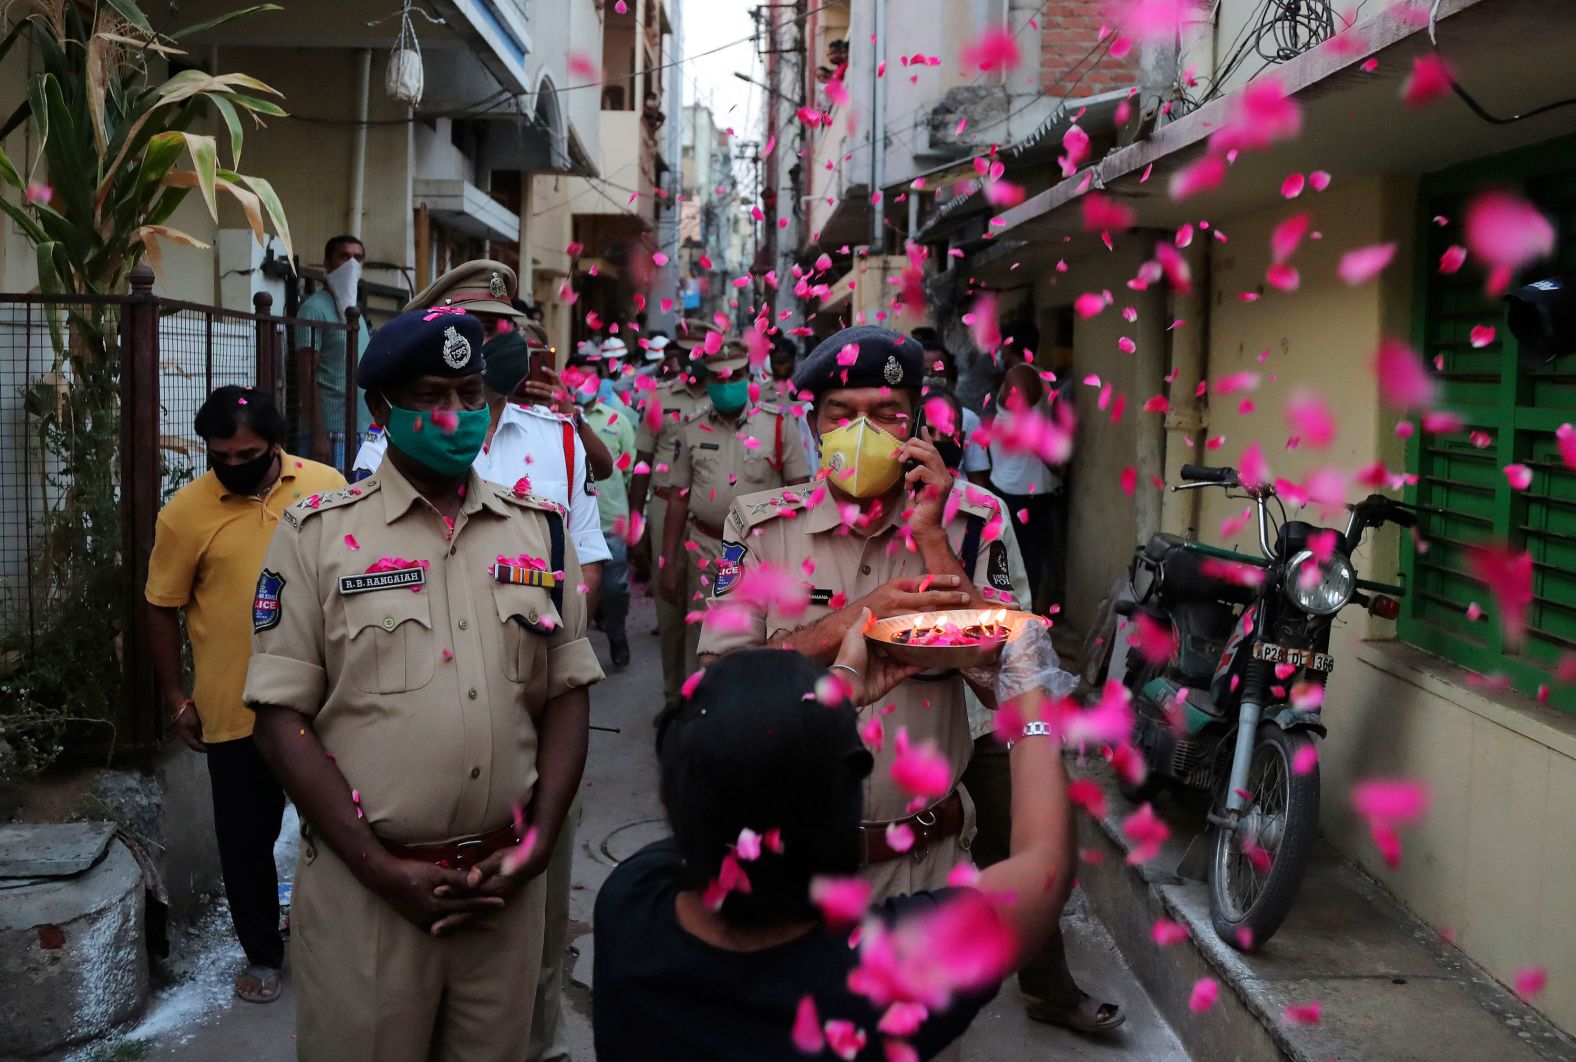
<point>1282,654</point>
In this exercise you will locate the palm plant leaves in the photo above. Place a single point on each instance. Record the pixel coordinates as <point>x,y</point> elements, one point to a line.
<point>109,141</point>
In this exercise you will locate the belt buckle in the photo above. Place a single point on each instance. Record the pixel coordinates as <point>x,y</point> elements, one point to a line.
<point>925,820</point>
<point>463,856</point>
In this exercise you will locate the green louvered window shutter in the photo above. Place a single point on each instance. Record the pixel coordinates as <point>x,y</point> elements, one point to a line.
<point>1511,413</point>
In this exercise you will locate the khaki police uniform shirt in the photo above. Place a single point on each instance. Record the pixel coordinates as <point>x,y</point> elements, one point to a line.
<point>424,683</point>
<point>720,460</point>
<point>785,529</point>
<point>678,404</point>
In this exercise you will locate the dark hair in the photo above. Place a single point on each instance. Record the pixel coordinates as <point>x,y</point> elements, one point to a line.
<point>336,241</point>
<point>752,747</point>
<point>928,338</point>
<point>1025,336</point>
<point>228,408</point>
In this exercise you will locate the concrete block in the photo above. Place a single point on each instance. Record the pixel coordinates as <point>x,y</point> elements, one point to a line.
<point>73,960</point>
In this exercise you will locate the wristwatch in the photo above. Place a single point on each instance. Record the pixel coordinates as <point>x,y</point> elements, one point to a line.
<point>1038,728</point>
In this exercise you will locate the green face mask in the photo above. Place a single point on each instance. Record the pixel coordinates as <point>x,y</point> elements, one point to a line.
<point>447,453</point>
<point>729,396</point>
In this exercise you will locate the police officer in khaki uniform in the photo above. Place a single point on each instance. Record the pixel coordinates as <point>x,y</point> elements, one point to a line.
<point>730,448</point>
<point>657,451</point>
<point>419,677</point>
<point>870,534</point>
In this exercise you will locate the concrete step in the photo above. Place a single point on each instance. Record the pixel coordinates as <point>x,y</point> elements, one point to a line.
<point>1390,988</point>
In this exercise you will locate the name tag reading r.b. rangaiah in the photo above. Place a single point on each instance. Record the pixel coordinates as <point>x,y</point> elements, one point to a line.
<point>522,576</point>
<point>389,580</point>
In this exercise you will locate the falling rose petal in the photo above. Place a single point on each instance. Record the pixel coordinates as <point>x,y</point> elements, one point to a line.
<point>981,320</point>
<point>446,420</point>
<point>1506,232</point>
<point>1282,277</point>
<point>1287,235</point>
<point>1197,177</point>
<point>1482,335</point>
<point>899,836</point>
<point>1508,575</point>
<point>1428,81</point>
<point>1530,981</point>
<point>1087,305</point>
<point>1365,263</point>
<point>658,259</point>
<point>1452,260</point>
<point>1252,466</point>
<point>843,901</point>
<point>1302,1013</point>
<point>807,1037</point>
<point>1519,476</point>
<point>1260,114</point>
<point>748,846</point>
<point>1206,990</point>
<point>581,66</point>
<point>1565,435</point>
<point>1087,795</point>
<point>688,689</point>
<point>1147,833</point>
<point>845,1039</point>
<point>1166,933</point>
<point>1293,185</point>
<point>1305,759</point>
<point>1404,382</point>
<point>1318,180</point>
<point>1004,193</point>
<point>963,875</point>
<point>994,49</point>
<point>351,543</point>
<point>1129,480</point>
<point>920,770</point>
<point>903,1019</point>
<point>1398,801</point>
<point>1310,419</point>
<point>1075,147</point>
<point>1101,212</point>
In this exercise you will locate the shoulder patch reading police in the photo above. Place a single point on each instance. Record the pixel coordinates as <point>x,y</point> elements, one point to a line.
<point>997,573</point>
<point>729,567</point>
<point>265,606</point>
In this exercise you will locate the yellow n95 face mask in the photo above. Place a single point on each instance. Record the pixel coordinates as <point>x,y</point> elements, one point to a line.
<point>861,459</point>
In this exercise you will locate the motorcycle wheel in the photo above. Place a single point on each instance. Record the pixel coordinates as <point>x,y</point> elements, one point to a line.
<point>1255,871</point>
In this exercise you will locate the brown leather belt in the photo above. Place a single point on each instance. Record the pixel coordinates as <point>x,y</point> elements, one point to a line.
<point>709,530</point>
<point>933,824</point>
<point>458,855</point>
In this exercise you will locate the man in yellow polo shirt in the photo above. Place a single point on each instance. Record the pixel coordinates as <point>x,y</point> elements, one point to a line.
<point>207,554</point>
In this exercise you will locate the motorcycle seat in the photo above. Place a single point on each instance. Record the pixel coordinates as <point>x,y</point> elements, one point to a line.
<point>1161,544</point>
<point>1186,574</point>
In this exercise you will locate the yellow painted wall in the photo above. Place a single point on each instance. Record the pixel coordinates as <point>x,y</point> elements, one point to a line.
<point>1493,863</point>
<point>1102,520</point>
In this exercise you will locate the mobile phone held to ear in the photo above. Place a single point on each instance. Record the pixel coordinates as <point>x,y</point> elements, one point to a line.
<point>918,433</point>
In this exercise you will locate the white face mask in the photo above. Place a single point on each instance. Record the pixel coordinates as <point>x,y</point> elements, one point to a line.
<point>343,282</point>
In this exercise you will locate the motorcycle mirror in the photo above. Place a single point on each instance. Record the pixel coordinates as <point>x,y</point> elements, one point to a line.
<point>1542,317</point>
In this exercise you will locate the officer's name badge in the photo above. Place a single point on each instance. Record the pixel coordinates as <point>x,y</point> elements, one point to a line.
<point>391,580</point>
<point>520,575</point>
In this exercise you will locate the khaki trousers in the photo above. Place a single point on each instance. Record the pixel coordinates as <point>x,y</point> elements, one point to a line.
<point>670,618</point>
<point>548,1042</point>
<point>373,987</point>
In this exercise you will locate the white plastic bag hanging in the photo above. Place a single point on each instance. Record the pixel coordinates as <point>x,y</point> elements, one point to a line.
<point>404,80</point>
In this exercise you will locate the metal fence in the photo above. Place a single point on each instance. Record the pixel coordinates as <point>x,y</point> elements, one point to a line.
<point>170,355</point>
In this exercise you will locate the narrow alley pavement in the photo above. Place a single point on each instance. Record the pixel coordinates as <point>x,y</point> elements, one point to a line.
<point>199,1018</point>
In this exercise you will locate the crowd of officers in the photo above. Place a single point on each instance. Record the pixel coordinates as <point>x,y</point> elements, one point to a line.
<point>419,653</point>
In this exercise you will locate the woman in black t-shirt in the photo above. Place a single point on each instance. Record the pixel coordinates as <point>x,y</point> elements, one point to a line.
<point>709,945</point>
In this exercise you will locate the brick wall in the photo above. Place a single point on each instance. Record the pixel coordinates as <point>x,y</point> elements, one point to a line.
<point>1068,29</point>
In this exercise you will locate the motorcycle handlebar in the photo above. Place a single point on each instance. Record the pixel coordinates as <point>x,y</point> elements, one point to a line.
<point>1206,474</point>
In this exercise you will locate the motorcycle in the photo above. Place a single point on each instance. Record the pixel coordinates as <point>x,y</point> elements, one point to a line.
<point>1234,709</point>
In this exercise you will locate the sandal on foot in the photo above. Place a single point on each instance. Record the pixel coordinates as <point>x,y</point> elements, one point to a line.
<point>1084,1016</point>
<point>258,984</point>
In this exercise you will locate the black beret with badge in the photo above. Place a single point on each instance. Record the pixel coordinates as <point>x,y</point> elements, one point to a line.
<point>437,341</point>
<point>862,356</point>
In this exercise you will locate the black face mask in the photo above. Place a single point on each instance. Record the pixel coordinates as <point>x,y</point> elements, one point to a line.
<point>244,477</point>
<point>951,452</point>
